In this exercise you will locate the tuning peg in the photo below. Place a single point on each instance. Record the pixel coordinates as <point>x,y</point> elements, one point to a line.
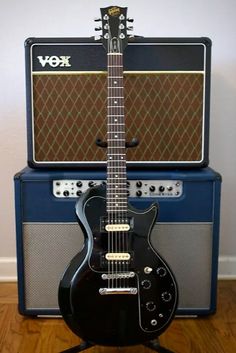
<point>98,28</point>
<point>97,19</point>
<point>97,37</point>
<point>130,19</point>
<point>130,28</point>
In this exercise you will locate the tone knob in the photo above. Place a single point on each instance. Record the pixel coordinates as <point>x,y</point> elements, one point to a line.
<point>166,296</point>
<point>161,188</point>
<point>151,306</point>
<point>161,271</point>
<point>139,184</point>
<point>66,193</point>
<point>79,184</point>
<point>128,184</point>
<point>79,192</point>
<point>91,183</point>
<point>152,188</point>
<point>169,188</point>
<point>146,284</point>
<point>139,193</point>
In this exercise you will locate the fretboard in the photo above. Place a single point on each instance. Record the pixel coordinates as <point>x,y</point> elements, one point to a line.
<point>116,152</point>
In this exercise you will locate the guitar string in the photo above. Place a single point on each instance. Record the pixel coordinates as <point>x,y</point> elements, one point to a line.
<point>108,181</point>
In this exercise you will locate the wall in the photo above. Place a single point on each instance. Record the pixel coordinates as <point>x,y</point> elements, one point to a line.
<point>212,18</point>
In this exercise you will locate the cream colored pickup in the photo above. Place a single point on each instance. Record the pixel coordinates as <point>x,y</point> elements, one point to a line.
<point>117,227</point>
<point>117,256</point>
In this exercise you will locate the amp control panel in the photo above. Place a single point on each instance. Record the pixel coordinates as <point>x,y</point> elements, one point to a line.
<point>135,188</point>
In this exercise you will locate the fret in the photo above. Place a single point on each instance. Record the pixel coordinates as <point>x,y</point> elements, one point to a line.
<point>117,115</point>
<point>114,87</point>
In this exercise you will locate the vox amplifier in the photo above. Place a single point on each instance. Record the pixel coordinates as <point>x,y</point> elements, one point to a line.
<point>167,94</point>
<point>186,233</point>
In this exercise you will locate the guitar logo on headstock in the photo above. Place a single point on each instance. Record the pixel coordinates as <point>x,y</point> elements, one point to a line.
<point>114,11</point>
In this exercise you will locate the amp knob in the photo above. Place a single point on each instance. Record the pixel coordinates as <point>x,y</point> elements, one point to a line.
<point>91,183</point>
<point>139,193</point>
<point>139,184</point>
<point>152,188</point>
<point>161,188</point>
<point>79,184</point>
<point>79,192</point>
<point>66,193</point>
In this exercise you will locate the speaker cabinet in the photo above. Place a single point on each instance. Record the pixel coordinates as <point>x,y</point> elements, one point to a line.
<point>186,233</point>
<point>166,89</point>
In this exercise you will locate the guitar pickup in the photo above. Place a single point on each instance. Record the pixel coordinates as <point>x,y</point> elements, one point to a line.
<point>117,224</point>
<point>116,257</point>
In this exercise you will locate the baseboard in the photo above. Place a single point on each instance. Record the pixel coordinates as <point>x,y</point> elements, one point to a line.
<point>227,267</point>
<point>8,273</point>
<point>8,269</point>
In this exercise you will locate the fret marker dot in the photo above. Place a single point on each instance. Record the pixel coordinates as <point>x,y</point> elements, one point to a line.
<point>116,176</point>
<point>117,205</point>
<point>115,120</point>
<point>122,157</point>
<point>115,102</point>
<point>116,136</point>
<point>115,82</point>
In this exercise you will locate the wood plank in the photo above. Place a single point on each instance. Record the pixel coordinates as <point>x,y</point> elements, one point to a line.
<point>211,334</point>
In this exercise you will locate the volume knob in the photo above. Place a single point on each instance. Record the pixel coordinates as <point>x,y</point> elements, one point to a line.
<point>166,296</point>
<point>150,306</point>
<point>146,284</point>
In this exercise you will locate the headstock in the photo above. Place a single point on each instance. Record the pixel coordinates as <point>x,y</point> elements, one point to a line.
<point>114,28</point>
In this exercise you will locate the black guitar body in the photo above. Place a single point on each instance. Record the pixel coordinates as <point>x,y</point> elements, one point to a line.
<point>116,318</point>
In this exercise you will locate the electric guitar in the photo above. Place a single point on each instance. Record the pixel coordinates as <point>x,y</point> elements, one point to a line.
<point>117,291</point>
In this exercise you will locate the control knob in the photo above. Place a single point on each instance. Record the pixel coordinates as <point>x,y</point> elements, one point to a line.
<point>79,184</point>
<point>66,193</point>
<point>166,296</point>
<point>161,188</point>
<point>152,188</point>
<point>91,183</point>
<point>150,306</point>
<point>146,284</point>
<point>139,184</point>
<point>139,193</point>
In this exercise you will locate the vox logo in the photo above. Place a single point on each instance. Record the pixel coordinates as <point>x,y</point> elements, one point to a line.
<point>54,60</point>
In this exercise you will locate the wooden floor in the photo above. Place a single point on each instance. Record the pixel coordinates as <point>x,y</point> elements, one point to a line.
<point>214,334</point>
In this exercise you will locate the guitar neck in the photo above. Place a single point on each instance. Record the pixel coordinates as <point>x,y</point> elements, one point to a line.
<point>116,152</point>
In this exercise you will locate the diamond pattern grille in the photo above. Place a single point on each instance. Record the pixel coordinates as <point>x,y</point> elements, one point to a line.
<point>163,110</point>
